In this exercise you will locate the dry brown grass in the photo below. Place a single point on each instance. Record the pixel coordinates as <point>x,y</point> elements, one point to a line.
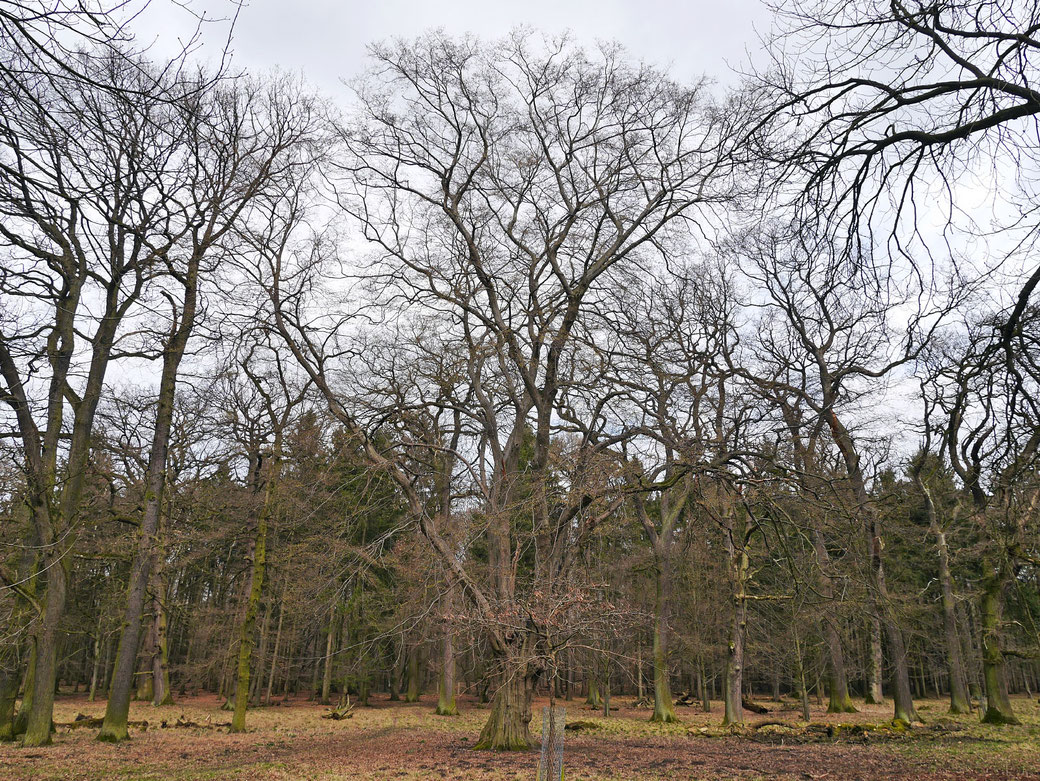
<point>406,742</point>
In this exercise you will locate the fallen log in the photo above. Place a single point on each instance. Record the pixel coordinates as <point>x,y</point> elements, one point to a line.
<point>577,726</point>
<point>346,712</point>
<point>754,707</point>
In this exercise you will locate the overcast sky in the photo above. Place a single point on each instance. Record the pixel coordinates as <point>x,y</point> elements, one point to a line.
<point>326,40</point>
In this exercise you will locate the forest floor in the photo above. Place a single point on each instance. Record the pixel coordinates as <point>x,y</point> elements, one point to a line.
<point>408,742</point>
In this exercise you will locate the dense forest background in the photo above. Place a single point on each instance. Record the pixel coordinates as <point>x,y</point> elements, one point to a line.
<point>522,369</point>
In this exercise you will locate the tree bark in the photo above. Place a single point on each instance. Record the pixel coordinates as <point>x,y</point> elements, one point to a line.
<point>837,680</point>
<point>248,628</point>
<point>959,702</point>
<point>998,704</point>
<point>446,679</point>
<point>414,687</point>
<point>739,566</point>
<point>508,726</point>
<point>875,662</point>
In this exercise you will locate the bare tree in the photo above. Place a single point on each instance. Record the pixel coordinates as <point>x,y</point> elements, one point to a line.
<point>826,342</point>
<point>88,212</point>
<point>982,409</point>
<point>895,102</point>
<point>238,142</point>
<point>500,184</point>
<point>662,344</point>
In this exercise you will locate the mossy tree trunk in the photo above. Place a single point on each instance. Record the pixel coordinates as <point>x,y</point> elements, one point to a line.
<point>662,539</point>
<point>592,698</point>
<point>998,705</point>
<point>117,710</point>
<point>248,628</point>
<point>508,725</point>
<point>145,684</point>
<point>413,690</point>
<point>446,679</point>
<point>39,724</point>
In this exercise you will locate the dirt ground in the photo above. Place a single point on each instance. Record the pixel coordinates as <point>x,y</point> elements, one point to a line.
<point>397,741</point>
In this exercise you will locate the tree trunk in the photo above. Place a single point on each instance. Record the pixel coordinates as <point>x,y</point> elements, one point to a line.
<point>248,628</point>
<point>702,685</point>
<point>414,688</point>
<point>664,711</point>
<point>803,692</point>
<point>326,676</point>
<point>998,704</point>
<point>508,725</point>
<point>875,660</point>
<point>95,671</point>
<point>39,723</point>
<point>739,567</point>
<point>959,702</point>
<point>593,699</point>
<point>274,652</point>
<point>446,680</point>
<point>113,729</point>
<point>161,692</point>
<point>9,682</point>
<point>837,679</point>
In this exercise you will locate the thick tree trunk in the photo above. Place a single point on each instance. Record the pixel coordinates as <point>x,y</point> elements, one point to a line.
<point>592,698</point>
<point>733,694</point>
<point>113,729</point>
<point>446,680</point>
<point>414,686</point>
<point>837,681</point>
<point>39,722</point>
<point>998,705</point>
<point>145,691</point>
<point>248,628</point>
<point>508,725</point>
<point>664,710</point>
